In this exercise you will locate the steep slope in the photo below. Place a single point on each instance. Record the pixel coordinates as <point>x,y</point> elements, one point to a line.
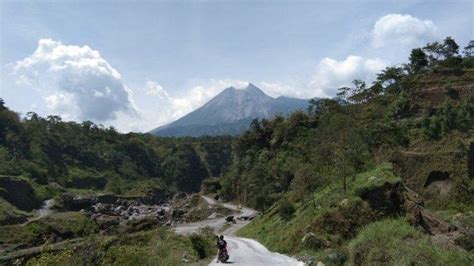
<point>230,113</point>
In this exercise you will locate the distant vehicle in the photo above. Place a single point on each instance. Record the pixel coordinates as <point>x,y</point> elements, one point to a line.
<point>230,219</point>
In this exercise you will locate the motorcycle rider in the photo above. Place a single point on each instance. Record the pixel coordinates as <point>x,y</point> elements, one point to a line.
<point>222,246</point>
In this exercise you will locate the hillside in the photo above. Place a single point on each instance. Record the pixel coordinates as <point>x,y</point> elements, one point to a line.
<point>230,113</point>
<point>384,179</point>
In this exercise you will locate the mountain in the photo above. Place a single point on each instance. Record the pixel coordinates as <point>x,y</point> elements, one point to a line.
<point>230,113</point>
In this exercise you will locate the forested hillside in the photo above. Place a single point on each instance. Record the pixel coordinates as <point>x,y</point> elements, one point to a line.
<point>47,156</point>
<point>320,177</point>
<point>106,187</point>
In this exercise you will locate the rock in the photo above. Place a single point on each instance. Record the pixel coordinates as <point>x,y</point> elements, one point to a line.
<point>337,258</point>
<point>372,178</point>
<point>344,202</point>
<point>107,222</point>
<point>144,223</point>
<point>161,212</point>
<point>308,260</point>
<point>320,263</point>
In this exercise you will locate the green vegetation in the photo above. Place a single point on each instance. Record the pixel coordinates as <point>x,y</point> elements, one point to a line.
<point>155,247</point>
<point>45,158</point>
<point>406,109</point>
<point>334,182</point>
<point>395,242</point>
<point>41,158</point>
<point>332,216</point>
<point>54,228</point>
<point>345,163</point>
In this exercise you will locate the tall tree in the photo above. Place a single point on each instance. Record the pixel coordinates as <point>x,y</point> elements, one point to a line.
<point>469,49</point>
<point>418,60</point>
<point>450,48</point>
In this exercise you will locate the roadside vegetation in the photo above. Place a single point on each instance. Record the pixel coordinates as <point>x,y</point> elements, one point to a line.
<point>154,247</point>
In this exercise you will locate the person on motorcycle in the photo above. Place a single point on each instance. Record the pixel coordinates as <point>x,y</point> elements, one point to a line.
<point>222,252</point>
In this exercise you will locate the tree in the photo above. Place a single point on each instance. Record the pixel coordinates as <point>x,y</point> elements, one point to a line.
<point>418,60</point>
<point>390,79</point>
<point>343,93</point>
<point>450,48</point>
<point>360,92</point>
<point>469,49</point>
<point>305,182</point>
<point>433,50</point>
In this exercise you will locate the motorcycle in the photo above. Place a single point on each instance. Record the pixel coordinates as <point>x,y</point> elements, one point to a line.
<point>223,255</point>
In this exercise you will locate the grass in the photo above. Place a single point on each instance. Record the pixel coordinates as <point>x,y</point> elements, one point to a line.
<point>155,247</point>
<point>66,225</point>
<point>10,214</point>
<point>353,230</point>
<point>383,173</point>
<point>285,236</point>
<point>395,242</point>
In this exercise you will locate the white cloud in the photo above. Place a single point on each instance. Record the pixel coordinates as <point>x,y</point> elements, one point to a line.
<point>331,74</point>
<point>276,89</point>
<point>153,88</point>
<point>405,30</point>
<point>76,82</point>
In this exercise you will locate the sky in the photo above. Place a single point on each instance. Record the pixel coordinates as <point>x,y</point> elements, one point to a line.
<point>136,65</point>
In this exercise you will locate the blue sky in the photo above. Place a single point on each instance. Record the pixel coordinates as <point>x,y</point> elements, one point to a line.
<point>139,64</point>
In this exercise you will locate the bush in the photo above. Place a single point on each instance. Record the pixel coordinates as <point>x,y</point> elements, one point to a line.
<point>466,241</point>
<point>79,178</point>
<point>211,185</point>
<point>312,241</point>
<point>286,210</point>
<point>345,220</point>
<point>63,258</point>
<point>200,245</point>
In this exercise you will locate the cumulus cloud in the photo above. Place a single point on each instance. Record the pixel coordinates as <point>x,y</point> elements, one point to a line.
<point>405,30</point>
<point>153,88</point>
<point>331,74</point>
<point>77,82</point>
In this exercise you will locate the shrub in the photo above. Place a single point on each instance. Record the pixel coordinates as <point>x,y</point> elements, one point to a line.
<point>312,241</point>
<point>345,220</point>
<point>286,210</point>
<point>395,242</point>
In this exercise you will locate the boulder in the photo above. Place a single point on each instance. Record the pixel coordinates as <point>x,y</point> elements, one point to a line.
<point>344,202</point>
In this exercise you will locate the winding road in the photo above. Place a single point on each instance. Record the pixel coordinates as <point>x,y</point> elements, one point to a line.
<point>242,251</point>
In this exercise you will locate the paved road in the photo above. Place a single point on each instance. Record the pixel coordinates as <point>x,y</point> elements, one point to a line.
<point>242,251</point>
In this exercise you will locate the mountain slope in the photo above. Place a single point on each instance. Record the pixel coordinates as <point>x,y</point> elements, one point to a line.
<point>230,113</point>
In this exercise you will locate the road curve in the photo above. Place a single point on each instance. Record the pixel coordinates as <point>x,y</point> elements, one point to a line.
<point>242,251</point>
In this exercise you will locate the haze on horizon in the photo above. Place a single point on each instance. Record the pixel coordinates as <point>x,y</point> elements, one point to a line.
<point>139,65</point>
